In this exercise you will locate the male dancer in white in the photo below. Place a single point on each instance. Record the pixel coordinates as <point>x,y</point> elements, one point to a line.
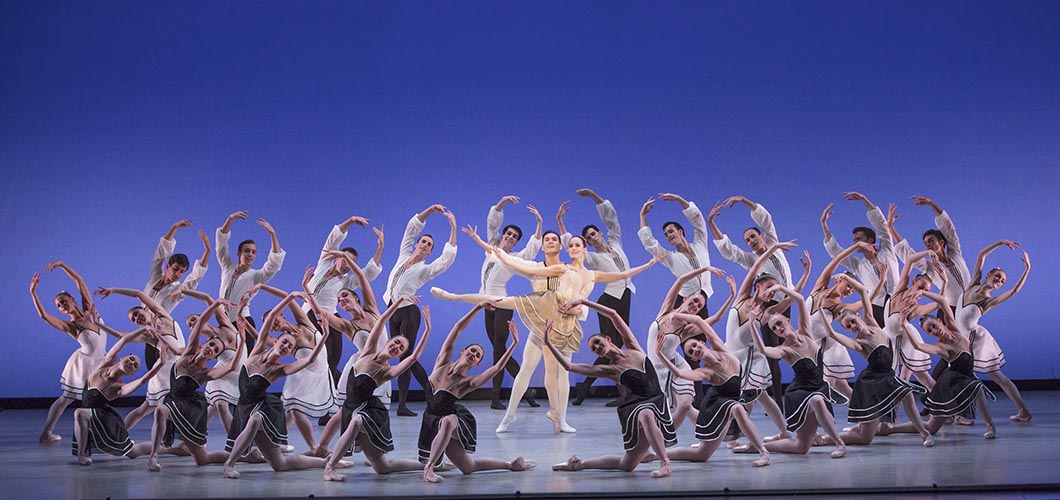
<point>164,283</point>
<point>237,278</point>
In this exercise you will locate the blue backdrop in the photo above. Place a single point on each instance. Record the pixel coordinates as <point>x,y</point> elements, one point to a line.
<point>118,119</point>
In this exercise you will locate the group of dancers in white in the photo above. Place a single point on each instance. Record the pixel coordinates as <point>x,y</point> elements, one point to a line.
<point>711,382</point>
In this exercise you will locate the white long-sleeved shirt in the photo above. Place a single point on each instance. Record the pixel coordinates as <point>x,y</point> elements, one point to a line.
<point>326,291</point>
<point>679,263</point>
<point>233,288</point>
<point>613,262</point>
<point>776,266</point>
<point>407,280</point>
<point>959,277</point>
<point>865,270</point>
<point>494,275</point>
<point>165,295</point>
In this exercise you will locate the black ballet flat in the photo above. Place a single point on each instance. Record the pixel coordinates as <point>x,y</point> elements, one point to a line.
<point>614,402</point>
<point>581,392</point>
<point>403,411</point>
<point>496,404</point>
<point>529,398</point>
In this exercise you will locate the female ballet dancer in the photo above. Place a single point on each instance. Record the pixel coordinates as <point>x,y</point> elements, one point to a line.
<point>643,414</point>
<point>364,418</point>
<point>957,388</point>
<point>808,399</point>
<point>877,390</point>
<point>152,314</point>
<point>975,302</point>
<point>679,392</point>
<point>824,304</point>
<point>913,362</point>
<point>448,427</point>
<point>752,304</point>
<point>309,393</point>
<point>185,407</point>
<point>410,272</point>
<point>363,318</point>
<point>96,423</point>
<point>222,391</point>
<point>575,281</point>
<point>83,327</point>
<point>723,401</point>
<point>259,417</point>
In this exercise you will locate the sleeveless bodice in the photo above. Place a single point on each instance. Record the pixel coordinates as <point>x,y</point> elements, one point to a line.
<point>738,335</point>
<point>252,388</point>
<point>964,363</point>
<point>94,398</point>
<point>442,403</point>
<point>881,359</point>
<point>729,389</point>
<point>93,343</point>
<point>968,316</point>
<point>181,386</point>
<point>641,383</point>
<point>820,320</point>
<point>807,371</point>
<point>360,387</point>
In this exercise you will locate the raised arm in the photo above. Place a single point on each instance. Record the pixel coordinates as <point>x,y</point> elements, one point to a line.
<point>446,351</point>
<point>298,365</point>
<point>768,351</point>
<point>712,337</point>
<point>489,373</point>
<point>980,261</point>
<point>907,271</point>
<point>224,259</point>
<point>371,343</point>
<point>800,302</point>
<point>220,370</point>
<point>892,216</point>
<point>616,320</point>
<point>599,371</point>
<point>845,341</point>
<point>415,356</point>
<point>147,301</point>
<point>716,317</point>
<point>866,302</point>
<point>675,289</point>
<point>272,236</point>
<point>715,231</point>
<point>752,273</point>
<point>563,209</point>
<point>48,318</point>
<point>379,243</point>
<point>824,221</point>
<point>826,274</point>
<point>82,288</point>
<point>522,268</point>
<point>130,387</point>
<point>993,301</point>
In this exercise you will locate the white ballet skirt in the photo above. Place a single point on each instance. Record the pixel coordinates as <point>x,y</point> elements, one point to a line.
<point>836,358</point>
<point>740,343</point>
<point>986,353</point>
<point>382,392</point>
<point>226,388</point>
<point>158,386</point>
<point>671,385</point>
<point>82,363</point>
<point>310,390</point>
<point>898,329</point>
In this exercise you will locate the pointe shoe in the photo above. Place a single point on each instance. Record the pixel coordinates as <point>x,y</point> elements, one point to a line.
<point>49,438</point>
<point>776,437</point>
<point>287,449</point>
<point>991,432</point>
<point>441,294</point>
<point>761,462</point>
<point>963,421</point>
<point>1021,417</point>
<point>839,452</point>
<point>520,464</point>
<point>572,464</point>
<point>84,461</point>
<point>152,466</point>
<point>567,428</point>
<point>503,426</point>
<point>929,441</point>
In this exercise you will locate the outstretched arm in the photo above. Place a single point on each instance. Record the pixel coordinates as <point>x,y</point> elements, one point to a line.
<point>977,273</point>
<point>715,341</point>
<point>563,209</point>
<point>826,274</point>
<point>993,301</point>
<point>824,221</point>
<point>604,371</point>
<point>130,387</point>
<point>82,288</point>
<point>48,318</point>
<point>520,267</point>
<point>147,301</point>
<point>489,373</point>
<point>693,375</point>
<point>371,343</point>
<point>616,320</point>
<point>716,317</point>
<point>675,289</point>
<point>770,352</point>
<point>607,277</point>
<point>415,356</point>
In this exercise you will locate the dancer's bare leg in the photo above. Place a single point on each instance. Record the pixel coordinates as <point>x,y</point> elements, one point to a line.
<point>683,409</point>
<point>984,408</point>
<point>860,435</point>
<point>158,428</point>
<point>134,417</point>
<point>220,408</point>
<point>345,441</point>
<point>749,429</point>
<point>827,422</point>
<point>243,442</point>
<point>800,443</point>
<point>531,358</point>
<point>840,385</point>
<point>909,407</point>
<point>474,298</point>
<point>773,412</point>
<point>1022,413</point>
<point>81,419</point>
<point>54,412</point>
<point>446,428</point>
<point>203,457</point>
<point>381,465</point>
<point>280,462</point>
<point>305,428</point>
<point>650,430</point>
<point>552,389</point>
<point>332,428</point>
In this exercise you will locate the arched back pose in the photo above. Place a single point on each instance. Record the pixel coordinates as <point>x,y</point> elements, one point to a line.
<point>224,390</point>
<point>913,362</point>
<point>722,402</point>
<point>84,327</point>
<point>957,387</point>
<point>753,301</point>
<point>644,414</point>
<point>185,407</point>
<point>259,417</point>
<point>237,277</point>
<point>664,333</point>
<point>96,423</point>
<point>448,427</point>
<point>364,418</point>
<point>824,304</point>
<point>574,282</point>
<point>166,270</point>
<point>758,239</point>
<point>877,389</point>
<point>975,302</point>
<point>410,272</point>
<point>808,399</point>
<point>309,393</point>
<point>363,317</point>
<point>607,255</point>
<point>151,314</point>
<point>495,277</point>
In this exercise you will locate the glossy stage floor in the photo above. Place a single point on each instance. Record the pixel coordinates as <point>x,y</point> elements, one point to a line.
<point>1021,463</point>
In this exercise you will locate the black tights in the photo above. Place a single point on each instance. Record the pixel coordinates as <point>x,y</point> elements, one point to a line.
<point>406,323</point>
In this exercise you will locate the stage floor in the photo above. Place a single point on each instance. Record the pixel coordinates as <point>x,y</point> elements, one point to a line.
<point>1015,465</point>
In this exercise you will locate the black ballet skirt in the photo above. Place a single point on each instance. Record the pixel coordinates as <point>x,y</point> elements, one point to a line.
<point>643,394</point>
<point>374,415</point>
<point>877,391</point>
<point>106,428</point>
<point>187,411</point>
<point>718,401</point>
<point>443,404</point>
<point>956,389</point>
<point>254,399</point>
<point>808,380</point>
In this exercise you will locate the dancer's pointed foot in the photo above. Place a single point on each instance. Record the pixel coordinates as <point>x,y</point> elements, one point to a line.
<point>777,437</point>
<point>521,464</point>
<point>1022,416</point>
<point>572,464</point>
<point>762,461</point>
<point>506,422</point>
<point>331,475</point>
<point>430,476</point>
<point>287,449</point>
<point>317,451</point>
<point>663,471</point>
<point>442,294</point>
<point>963,421</point>
<point>555,421</point>
<point>254,457</point>
<point>84,460</point>
<point>230,472</point>
<point>152,465</point>
<point>991,432</point>
<point>929,440</point>
<point>840,451</point>
<point>48,438</point>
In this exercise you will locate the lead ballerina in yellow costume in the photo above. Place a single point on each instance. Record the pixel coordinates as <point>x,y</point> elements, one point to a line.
<point>562,283</point>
